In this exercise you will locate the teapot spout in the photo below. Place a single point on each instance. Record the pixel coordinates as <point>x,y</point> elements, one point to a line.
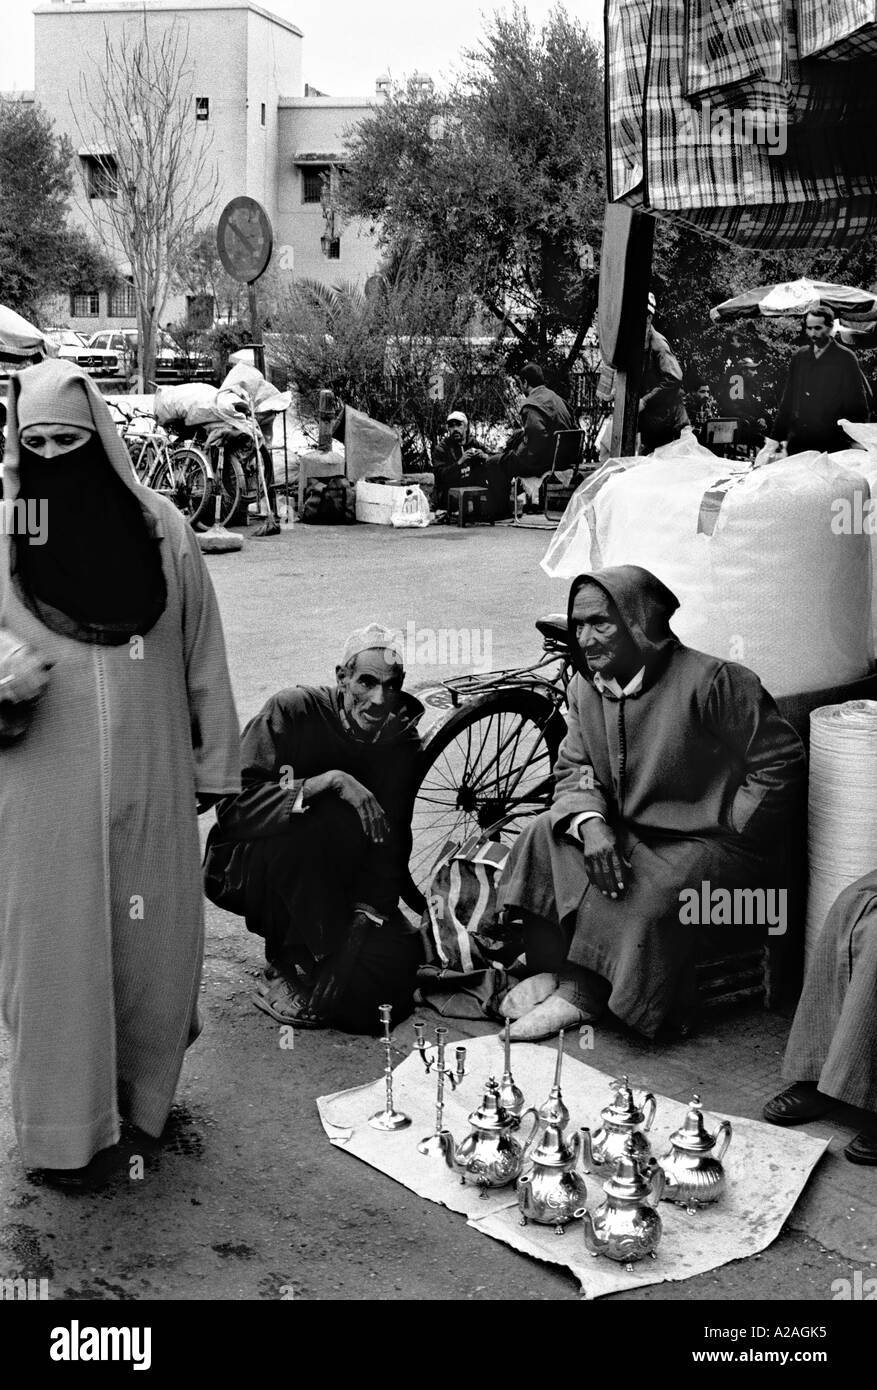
<point>449,1151</point>
<point>593,1244</point>
<point>586,1156</point>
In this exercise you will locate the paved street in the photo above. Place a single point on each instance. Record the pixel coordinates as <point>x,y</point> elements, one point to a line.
<point>245,1199</point>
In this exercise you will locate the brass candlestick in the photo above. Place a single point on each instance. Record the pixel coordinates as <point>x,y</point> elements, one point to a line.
<point>434,1143</point>
<point>388,1118</point>
<point>511,1097</point>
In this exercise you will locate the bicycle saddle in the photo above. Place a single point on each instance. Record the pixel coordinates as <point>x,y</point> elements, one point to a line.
<point>553,625</point>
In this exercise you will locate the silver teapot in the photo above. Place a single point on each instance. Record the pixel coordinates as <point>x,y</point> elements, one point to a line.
<point>626,1227</point>
<point>624,1119</point>
<point>550,1192</point>
<point>692,1165</point>
<point>489,1155</point>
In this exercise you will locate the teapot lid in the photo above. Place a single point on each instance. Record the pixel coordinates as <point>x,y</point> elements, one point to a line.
<point>692,1136</point>
<point>552,1152</point>
<point>624,1109</point>
<point>553,1111</point>
<point>628,1183</point>
<point>490,1114</point>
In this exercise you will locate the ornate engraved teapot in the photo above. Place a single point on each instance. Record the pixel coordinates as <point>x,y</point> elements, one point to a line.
<point>626,1226</point>
<point>692,1166</point>
<point>489,1155</point>
<point>550,1192</point>
<point>624,1119</point>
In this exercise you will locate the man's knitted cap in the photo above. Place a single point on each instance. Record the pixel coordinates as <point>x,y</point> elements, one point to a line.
<point>374,638</point>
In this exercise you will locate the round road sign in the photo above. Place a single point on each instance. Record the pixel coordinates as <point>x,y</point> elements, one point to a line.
<point>244,239</point>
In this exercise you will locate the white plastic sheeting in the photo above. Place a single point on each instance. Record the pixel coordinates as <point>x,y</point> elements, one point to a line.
<point>764,573</point>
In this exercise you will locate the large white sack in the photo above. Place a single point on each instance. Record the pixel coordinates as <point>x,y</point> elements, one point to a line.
<point>775,586</point>
<point>189,403</point>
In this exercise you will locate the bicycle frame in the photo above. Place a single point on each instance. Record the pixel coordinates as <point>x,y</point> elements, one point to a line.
<point>554,686</point>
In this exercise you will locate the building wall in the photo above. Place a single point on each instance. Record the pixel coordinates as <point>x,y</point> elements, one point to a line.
<point>241,58</point>
<point>314,129</point>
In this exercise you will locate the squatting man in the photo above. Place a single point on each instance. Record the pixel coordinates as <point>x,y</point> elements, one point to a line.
<point>314,850</point>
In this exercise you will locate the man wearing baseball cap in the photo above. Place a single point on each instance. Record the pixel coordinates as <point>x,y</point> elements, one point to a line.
<point>313,851</point>
<point>453,456</point>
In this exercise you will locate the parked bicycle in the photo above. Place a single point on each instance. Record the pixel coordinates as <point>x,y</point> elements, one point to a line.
<point>179,470</point>
<point>490,763</point>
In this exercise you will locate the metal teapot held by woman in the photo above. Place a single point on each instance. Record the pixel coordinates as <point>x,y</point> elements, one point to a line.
<point>692,1165</point>
<point>626,1227</point>
<point>624,1119</point>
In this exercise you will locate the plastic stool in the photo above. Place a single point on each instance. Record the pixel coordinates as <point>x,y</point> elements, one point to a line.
<point>469,502</point>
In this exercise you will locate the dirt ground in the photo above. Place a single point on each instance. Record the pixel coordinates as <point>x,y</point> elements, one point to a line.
<point>244,1198</point>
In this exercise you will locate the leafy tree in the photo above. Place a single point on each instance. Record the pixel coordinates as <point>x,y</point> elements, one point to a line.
<point>693,273</point>
<point>401,351</point>
<point>498,181</point>
<point>40,255</point>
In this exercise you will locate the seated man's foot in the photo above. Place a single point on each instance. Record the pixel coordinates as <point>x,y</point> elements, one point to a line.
<point>863,1149</point>
<point>285,1000</point>
<point>547,1019</point>
<point>796,1105</point>
<point>95,1175</point>
<point>523,997</point>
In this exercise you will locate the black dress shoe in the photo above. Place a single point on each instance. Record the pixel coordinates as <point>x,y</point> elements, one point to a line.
<point>796,1105</point>
<point>95,1175</point>
<point>863,1149</point>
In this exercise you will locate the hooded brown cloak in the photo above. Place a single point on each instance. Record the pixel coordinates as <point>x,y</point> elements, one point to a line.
<point>696,773</point>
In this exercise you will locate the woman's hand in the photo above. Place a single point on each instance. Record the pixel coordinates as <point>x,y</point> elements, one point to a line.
<point>23,675</point>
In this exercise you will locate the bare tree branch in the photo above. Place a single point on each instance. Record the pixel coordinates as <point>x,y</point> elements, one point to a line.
<point>155,162</point>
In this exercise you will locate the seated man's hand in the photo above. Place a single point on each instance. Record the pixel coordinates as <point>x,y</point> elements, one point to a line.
<point>603,863</point>
<point>365,804</point>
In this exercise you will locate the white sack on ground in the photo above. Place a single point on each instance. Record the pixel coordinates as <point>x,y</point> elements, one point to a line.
<point>762,575</point>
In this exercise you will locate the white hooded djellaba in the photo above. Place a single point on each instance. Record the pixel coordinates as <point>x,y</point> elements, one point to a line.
<point>101,907</point>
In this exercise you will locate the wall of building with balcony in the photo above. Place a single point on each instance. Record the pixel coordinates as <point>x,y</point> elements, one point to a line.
<point>312,144</point>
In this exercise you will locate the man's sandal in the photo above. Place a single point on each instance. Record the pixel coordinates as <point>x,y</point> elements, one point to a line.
<point>286,1002</point>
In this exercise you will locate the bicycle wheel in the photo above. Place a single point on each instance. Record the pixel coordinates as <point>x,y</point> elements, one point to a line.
<point>186,478</point>
<point>490,759</point>
<point>230,486</point>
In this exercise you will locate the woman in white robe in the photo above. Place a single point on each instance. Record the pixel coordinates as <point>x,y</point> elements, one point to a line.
<point>101,907</point>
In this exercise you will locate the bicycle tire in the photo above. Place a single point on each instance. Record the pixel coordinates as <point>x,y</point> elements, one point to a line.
<point>230,486</point>
<point>466,783</point>
<point>185,476</point>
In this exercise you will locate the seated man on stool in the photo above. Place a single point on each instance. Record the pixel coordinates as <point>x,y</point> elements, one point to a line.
<point>676,772</point>
<point>313,851</point>
<point>832,1050</point>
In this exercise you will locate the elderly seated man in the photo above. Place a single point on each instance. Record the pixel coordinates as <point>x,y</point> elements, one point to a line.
<point>313,851</point>
<point>676,773</point>
<point>832,1050</point>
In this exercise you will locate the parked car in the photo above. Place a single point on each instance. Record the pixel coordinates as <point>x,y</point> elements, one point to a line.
<point>96,359</point>
<point>171,363</point>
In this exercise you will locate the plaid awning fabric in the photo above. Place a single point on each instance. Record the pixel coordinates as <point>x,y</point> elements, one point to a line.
<point>788,187</point>
<point>626,25</point>
<point>732,44</point>
<point>748,56</point>
<point>837,29</point>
